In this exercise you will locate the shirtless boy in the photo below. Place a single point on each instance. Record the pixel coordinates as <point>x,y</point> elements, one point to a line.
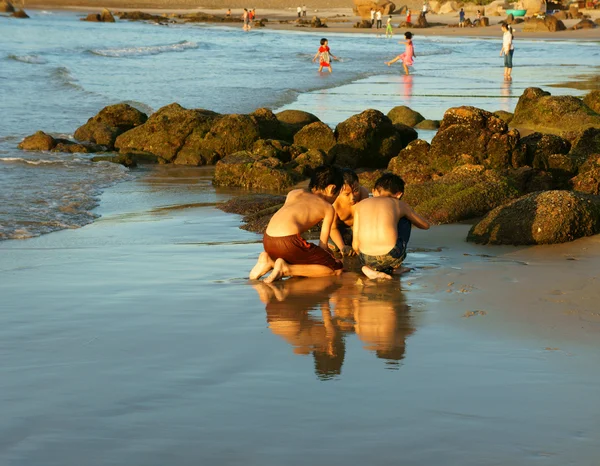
<point>286,252</point>
<point>382,227</point>
<point>350,194</point>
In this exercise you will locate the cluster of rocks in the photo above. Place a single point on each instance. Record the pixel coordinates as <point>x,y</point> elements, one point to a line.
<point>475,164</point>
<point>8,7</point>
<point>103,17</point>
<point>197,17</point>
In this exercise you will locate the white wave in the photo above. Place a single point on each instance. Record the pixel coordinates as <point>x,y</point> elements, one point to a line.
<point>148,50</point>
<point>30,161</point>
<point>32,59</point>
<point>64,77</point>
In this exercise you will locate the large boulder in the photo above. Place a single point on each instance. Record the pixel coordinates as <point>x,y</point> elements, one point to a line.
<point>230,134</point>
<point>315,136</point>
<point>496,8</point>
<point>592,100</point>
<point>293,121</point>
<point>109,123</point>
<point>405,115</point>
<point>539,111</point>
<point>412,163</point>
<point>38,141</point>
<point>586,143</point>
<point>106,16</point>
<point>537,147</point>
<point>540,218</point>
<point>92,18</point>
<point>468,191</point>
<point>534,7</point>
<point>20,14</point>
<point>421,21</point>
<point>140,16</point>
<point>363,8</point>
<point>6,6</point>
<point>167,131</point>
<point>243,169</point>
<point>469,135</point>
<point>546,24</point>
<point>585,24</point>
<point>448,8</point>
<point>588,179</point>
<point>269,126</point>
<point>386,7</point>
<point>369,139</point>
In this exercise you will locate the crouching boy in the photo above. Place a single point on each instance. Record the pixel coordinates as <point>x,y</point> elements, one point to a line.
<point>286,252</point>
<point>382,226</point>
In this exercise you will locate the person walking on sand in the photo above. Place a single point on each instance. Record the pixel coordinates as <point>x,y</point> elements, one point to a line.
<point>507,50</point>
<point>324,55</point>
<point>378,18</point>
<point>389,30</point>
<point>304,10</point>
<point>372,17</point>
<point>461,18</point>
<point>299,11</point>
<point>246,19</point>
<point>409,53</point>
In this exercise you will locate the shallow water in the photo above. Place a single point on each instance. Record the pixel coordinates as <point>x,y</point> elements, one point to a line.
<point>56,72</point>
<point>137,340</point>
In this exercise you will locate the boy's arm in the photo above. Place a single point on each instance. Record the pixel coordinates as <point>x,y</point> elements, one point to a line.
<point>415,218</point>
<point>355,244</point>
<point>335,234</point>
<point>326,227</point>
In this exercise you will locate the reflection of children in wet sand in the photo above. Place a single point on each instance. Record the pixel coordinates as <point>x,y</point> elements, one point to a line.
<point>286,252</point>
<point>324,55</point>
<point>382,226</point>
<point>350,194</point>
<point>408,55</point>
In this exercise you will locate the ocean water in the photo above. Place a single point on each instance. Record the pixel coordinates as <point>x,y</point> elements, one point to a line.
<point>56,72</point>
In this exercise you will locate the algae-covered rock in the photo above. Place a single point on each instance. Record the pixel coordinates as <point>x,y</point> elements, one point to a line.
<point>315,136</point>
<point>505,116</point>
<point>230,134</point>
<point>588,179</point>
<point>586,143</point>
<point>38,141</point>
<point>20,14</point>
<point>538,147</point>
<point>428,125</point>
<point>293,121</point>
<point>269,126</point>
<point>585,24</point>
<point>405,115</point>
<point>75,148</point>
<point>540,111</point>
<point>251,203</point>
<point>592,100</point>
<point>367,178</point>
<point>242,169</point>
<point>412,163</point>
<point>140,16</point>
<point>310,160</point>
<point>109,123</point>
<point>467,192</point>
<point>369,139</point>
<point>540,218</point>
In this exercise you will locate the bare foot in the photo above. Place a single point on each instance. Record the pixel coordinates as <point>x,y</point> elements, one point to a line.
<point>388,63</point>
<point>374,275</point>
<point>279,271</point>
<point>263,265</point>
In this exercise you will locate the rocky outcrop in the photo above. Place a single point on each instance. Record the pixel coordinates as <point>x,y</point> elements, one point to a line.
<point>585,24</point>
<point>125,160</point>
<point>38,141</point>
<point>547,24</point>
<point>405,115</point>
<point>588,179</point>
<point>140,16</point>
<point>469,135</point>
<point>592,100</point>
<point>505,116</point>
<point>429,125</point>
<point>412,163</point>
<point>540,218</point>
<point>538,110</point>
<point>109,123</point>
<point>293,121</point>
<point>363,7</point>
<point>369,139</point>
<point>448,8</point>
<point>468,191</point>
<point>6,7</point>
<point>104,17</point>
<point>315,136</point>
<point>421,21</point>
<point>537,147</point>
<point>230,134</point>
<point>20,14</point>
<point>586,143</point>
<point>534,7</point>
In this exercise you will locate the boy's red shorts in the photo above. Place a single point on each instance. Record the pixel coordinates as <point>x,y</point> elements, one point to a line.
<point>296,251</point>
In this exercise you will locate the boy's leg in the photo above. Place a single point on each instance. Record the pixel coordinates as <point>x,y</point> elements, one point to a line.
<point>263,265</point>
<point>283,269</point>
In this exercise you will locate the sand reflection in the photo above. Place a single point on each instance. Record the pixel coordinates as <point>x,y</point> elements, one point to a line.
<point>317,317</point>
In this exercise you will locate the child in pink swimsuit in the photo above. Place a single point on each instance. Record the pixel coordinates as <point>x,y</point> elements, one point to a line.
<point>408,55</point>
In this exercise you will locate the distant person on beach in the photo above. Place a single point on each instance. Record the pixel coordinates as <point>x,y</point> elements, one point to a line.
<point>461,18</point>
<point>409,53</point>
<point>228,14</point>
<point>507,50</point>
<point>477,19</point>
<point>304,10</point>
<point>372,17</point>
<point>382,226</point>
<point>389,30</point>
<point>350,195</point>
<point>286,253</point>
<point>425,8</point>
<point>378,18</point>
<point>408,16</point>
<point>324,55</point>
<point>246,19</point>
<point>251,14</point>
<point>299,11</point>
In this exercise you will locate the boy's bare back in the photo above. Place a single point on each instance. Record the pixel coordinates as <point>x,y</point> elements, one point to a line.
<point>376,223</point>
<point>302,210</point>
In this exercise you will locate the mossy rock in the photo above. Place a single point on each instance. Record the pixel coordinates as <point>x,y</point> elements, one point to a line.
<point>588,179</point>
<point>38,141</point>
<point>121,159</point>
<point>317,136</point>
<point>412,163</point>
<point>540,218</point>
<point>405,115</point>
<point>505,116</point>
<point>538,147</point>
<point>586,143</point>
<point>592,100</point>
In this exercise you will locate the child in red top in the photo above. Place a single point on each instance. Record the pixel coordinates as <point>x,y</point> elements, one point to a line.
<point>324,55</point>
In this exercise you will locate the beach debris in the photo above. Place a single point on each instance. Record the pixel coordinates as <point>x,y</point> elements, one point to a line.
<point>474,313</point>
<point>540,218</point>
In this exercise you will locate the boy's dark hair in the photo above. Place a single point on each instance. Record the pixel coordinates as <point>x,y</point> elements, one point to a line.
<point>391,183</point>
<point>408,35</point>
<point>324,176</point>
<point>323,40</point>
<point>350,177</point>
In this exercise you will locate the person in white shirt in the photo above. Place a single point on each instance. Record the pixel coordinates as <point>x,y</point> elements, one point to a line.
<point>425,8</point>
<point>508,49</point>
<point>372,17</point>
<point>378,18</point>
<point>299,11</point>
<point>304,10</point>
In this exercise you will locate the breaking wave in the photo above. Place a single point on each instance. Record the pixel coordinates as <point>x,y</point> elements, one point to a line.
<point>32,59</point>
<point>142,51</point>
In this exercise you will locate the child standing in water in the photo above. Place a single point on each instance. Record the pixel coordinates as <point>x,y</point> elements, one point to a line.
<point>407,56</point>
<point>508,49</point>
<point>324,55</point>
<point>389,30</point>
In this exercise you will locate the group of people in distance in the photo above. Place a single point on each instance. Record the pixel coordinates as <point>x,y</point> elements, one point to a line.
<point>247,17</point>
<point>376,228</point>
<point>301,10</point>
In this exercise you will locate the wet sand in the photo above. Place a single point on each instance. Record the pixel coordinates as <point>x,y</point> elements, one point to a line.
<point>138,340</point>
